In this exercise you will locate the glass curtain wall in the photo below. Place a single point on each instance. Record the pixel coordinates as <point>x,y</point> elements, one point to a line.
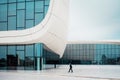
<point>26,57</point>
<point>21,57</point>
<point>22,14</point>
<point>51,57</point>
<point>91,54</point>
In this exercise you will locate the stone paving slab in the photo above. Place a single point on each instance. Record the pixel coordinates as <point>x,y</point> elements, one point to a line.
<point>81,72</point>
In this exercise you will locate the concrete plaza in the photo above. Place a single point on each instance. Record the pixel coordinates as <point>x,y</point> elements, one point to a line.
<point>81,72</point>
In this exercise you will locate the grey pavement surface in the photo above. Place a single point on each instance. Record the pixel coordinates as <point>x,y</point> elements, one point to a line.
<point>81,72</point>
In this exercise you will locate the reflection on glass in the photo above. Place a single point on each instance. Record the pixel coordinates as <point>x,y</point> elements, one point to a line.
<point>12,23</point>
<point>20,58</point>
<point>92,54</point>
<point>3,57</point>
<point>11,50</point>
<point>12,9</point>
<point>20,47</point>
<point>29,63</point>
<point>30,10</point>
<point>22,11</point>
<point>12,62</point>
<point>3,12</point>
<point>29,50</point>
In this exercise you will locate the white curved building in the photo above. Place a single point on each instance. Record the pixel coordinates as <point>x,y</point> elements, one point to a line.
<point>51,31</point>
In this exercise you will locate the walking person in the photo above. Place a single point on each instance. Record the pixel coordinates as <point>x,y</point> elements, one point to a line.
<point>70,68</point>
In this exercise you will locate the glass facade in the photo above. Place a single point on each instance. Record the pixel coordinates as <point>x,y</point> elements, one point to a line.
<point>51,57</point>
<point>26,57</point>
<point>21,14</point>
<point>92,54</point>
<point>21,57</point>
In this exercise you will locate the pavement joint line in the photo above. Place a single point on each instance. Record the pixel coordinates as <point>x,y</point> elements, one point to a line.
<point>93,77</point>
<point>83,77</point>
<point>60,75</point>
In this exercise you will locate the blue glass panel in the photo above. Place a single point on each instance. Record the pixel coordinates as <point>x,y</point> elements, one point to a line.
<point>3,1</point>
<point>3,12</point>
<point>12,9</point>
<point>29,63</point>
<point>21,5</point>
<point>21,59</point>
<point>11,23</point>
<point>39,6</point>
<point>38,18</point>
<point>3,26</point>
<point>12,0</point>
<point>20,55</point>
<point>47,2</point>
<point>20,47</point>
<point>38,49</point>
<point>30,10</point>
<point>3,52</point>
<point>29,23</point>
<point>117,51</point>
<point>97,46</point>
<point>11,50</point>
<point>33,12</point>
<point>20,18</point>
<point>29,50</point>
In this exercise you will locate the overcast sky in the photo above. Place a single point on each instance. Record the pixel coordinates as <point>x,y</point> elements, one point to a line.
<point>94,20</point>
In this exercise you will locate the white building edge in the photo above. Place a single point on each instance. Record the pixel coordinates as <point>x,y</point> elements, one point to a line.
<point>94,42</point>
<point>52,31</point>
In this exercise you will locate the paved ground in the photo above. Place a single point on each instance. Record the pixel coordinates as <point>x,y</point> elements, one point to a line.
<point>81,72</point>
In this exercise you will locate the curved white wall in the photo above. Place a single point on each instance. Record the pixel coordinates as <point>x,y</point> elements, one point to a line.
<point>52,31</point>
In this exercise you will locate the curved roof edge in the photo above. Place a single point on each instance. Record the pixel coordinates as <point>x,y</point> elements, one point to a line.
<point>52,31</point>
<point>95,42</point>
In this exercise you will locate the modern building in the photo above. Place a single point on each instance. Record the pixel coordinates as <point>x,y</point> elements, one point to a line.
<point>31,32</point>
<point>98,52</point>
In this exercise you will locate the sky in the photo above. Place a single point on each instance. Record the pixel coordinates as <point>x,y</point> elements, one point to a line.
<point>94,20</point>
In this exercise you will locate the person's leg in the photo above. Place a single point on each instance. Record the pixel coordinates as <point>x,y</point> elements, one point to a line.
<point>69,70</point>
